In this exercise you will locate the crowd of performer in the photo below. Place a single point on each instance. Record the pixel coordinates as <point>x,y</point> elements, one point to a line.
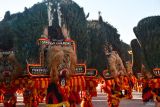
<point>62,86</point>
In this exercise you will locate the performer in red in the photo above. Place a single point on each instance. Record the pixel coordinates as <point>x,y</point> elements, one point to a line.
<point>118,77</point>
<point>9,68</point>
<point>61,63</point>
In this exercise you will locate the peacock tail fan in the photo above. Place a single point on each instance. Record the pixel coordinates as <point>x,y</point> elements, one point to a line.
<point>148,34</point>
<point>136,57</point>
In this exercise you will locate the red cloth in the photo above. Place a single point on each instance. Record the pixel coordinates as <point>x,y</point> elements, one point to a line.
<point>86,100</point>
<point>74,98</point>
<point>55,91</point>
<point>77,83</point>
<point>91,84</point>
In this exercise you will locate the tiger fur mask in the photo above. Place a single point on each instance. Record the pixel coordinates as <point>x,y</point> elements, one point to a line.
<point>61,62</point>
<point>9,66</point>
